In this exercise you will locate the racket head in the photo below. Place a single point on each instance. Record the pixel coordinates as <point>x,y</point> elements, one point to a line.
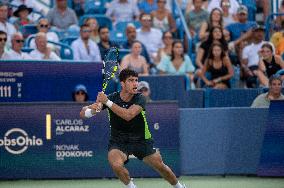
<point>110,66</point>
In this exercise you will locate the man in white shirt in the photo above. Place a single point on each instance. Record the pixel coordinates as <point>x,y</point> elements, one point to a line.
<point>149,36</point>
<point>4,25</point>
<point>234,5</point>
<point>84,48</point>
<point>42,52</point>
<point>15,52</point>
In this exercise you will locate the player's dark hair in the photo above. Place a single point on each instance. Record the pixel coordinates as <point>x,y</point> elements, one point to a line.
<point>126,73</point>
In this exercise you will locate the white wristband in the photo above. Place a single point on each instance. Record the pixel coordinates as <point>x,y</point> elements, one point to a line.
<point>109,103</point>
<point>88,113</point>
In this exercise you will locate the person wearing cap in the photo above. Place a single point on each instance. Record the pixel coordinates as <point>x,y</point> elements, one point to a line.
<point>80,93</point>
<point>251,56</point>
<point>274,93</point>
<point>144,89</point>
<point>22,14</point>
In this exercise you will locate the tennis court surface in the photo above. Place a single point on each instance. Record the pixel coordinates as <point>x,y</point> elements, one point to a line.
<point>191,181</point>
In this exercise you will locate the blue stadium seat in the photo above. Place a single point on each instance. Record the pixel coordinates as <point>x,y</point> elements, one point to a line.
<point>28,29</point>
<point>95,6</point>
<point>117,36</point>
<point>121,26</point>
<point>27,50</point>
<point>102,20</point>
<point>123,52</point>
<point>68,40</point>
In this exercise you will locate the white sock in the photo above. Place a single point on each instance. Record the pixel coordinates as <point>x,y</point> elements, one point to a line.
<point>178,185</point>
<point>131,185</point>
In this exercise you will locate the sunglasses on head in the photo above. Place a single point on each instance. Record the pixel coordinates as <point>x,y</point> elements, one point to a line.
<point>3,39</point>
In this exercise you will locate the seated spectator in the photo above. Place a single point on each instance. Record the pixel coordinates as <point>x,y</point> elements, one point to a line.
<point>80,93</point>
<point>22,14</point>
<point>234,5</point>
<point>94,27</point>
<point>3,40</point>
<point>149,36</point>
<point>219,67</point>
<point>280,19</point>
<point>250,57</point>
<point>135,61</point>
<point>228,17</point>
<point>31,4</point>
<point>42,51</point>
<point>167,49</point>
<point>269,64</point>
<point>163,18</point>
<point>79,7</point>
<point>147,6</point>
<point>131,37</point>
<point>196,17</point>
<point>15,52</point>
<point>215,19</point>
<point>178,63</point>
<point>43,26</point>
<point>215,35</point>
<point>105,42</point>
<point>144,88</point>
<point>62,18</point>
<point>123,11</point>
<point>278,40</point>
<point>84,48</point>
<point>5,26</point>
<point>274,93</point>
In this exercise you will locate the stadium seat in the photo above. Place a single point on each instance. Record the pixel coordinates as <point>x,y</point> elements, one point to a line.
<point>121,26</point>
<point>117,36</point>
<point>68,40</point>
<point>27,30</point>
<point>95,7</point>
<point>123,52</point>
<point>102,20</point>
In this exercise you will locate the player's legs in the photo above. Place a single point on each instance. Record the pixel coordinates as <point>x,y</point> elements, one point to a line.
<point>156,162</point>
<point>116,160</point>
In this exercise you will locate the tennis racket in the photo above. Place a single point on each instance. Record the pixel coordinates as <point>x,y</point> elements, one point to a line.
<point>110,67</point>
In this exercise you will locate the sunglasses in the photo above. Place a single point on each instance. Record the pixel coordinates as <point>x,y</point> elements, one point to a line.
<point>43,26</point>
<point>226,4</point>
<point>20,41</point>
<point>3,39</point>
<point>86,31</point>
<point>80,93</point>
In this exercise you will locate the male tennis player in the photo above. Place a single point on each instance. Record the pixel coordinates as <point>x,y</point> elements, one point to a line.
<point>129,130</point>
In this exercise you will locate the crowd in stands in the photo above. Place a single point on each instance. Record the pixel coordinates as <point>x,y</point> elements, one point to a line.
<point>225,37</point>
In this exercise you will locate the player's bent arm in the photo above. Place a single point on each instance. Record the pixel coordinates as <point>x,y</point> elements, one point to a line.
<point>126,114</point>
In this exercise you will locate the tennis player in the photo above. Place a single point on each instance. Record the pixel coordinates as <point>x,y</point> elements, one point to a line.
<point>129,130</point>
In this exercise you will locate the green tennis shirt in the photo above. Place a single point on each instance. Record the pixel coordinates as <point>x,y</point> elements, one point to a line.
<point>135,129</point>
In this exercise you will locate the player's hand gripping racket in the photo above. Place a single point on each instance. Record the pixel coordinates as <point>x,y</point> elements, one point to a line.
<point>110,68</point>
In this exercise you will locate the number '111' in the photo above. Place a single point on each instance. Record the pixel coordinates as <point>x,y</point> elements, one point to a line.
<point>5,91</point>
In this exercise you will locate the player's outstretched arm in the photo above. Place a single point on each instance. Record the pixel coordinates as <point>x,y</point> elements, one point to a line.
<point>90,111</point>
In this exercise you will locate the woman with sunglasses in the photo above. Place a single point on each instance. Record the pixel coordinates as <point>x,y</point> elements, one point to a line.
<point>3,40</point>
<point>228,17</point>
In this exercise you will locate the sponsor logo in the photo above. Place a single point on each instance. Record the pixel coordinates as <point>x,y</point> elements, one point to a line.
<point>16,141</point>
<point>71,151</point>
<point>69,125</point>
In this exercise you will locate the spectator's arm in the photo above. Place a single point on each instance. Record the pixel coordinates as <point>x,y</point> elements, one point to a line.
<point>202,74</point>
<point>145,67</point>
<point>199,56</point>
<point>229,66</point>
<point>76,53</point>
<point>172,22</point>
<point>279,60</point>
<point>124,62</point>
<point>202,32</point>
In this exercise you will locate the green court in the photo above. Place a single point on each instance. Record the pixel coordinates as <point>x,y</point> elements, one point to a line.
<point>191,182</point>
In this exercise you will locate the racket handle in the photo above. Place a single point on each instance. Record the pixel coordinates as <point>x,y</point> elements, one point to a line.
<point>100,108</point>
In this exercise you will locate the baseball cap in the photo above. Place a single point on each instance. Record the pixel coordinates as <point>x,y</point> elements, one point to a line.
<point>258,27</point>
<point>143,84</point>
<point>242,9</point>
<point>81,87</point>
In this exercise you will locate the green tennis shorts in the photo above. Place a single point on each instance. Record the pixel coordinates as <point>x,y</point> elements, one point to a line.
<point>139,149</point>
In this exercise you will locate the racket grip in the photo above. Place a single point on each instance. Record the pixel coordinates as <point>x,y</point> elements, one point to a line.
<point>100,107</point>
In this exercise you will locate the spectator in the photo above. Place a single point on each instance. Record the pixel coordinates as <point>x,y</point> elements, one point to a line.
<point>79,7</point>
<point>215,35</point>
<point>29,3</point>
<point>234,5</point>
<point>215,19</point>
<point>149,36</point>
<point>167,49</point>
<point>42,51</point>
<point>123,11</point>
<point>280,19</point>
<point>178,63</point>
<point>131,37</point>
<point>44,26</point>
<point>228,17</point>
<point>196,17</point>
<point>80,93</point>
<point>84,48</point>
<point>135,61</point>
<point>144,88</point>
<point>3,40</point>
<point>62,18</point>
<point>269,64</point>
<point>147,6</point>
<point>4,25</point>
<point>94,27</point>
<point>219,66</point>
<point>250,57</point>
<point>274,93</point>
<point>163,18</point>
<point>105,43</point>
<point>22,14</point>
<point>15,52</point>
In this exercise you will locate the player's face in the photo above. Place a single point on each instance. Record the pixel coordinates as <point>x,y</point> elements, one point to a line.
<point>130,85</point>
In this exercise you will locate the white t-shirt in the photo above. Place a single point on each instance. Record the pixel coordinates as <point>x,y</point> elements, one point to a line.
<point>216,4</point>
<point>37,55</point>
<point>13,55</point>
<point>51,36</point>
<point>9,29</point>
<point>152,39</point>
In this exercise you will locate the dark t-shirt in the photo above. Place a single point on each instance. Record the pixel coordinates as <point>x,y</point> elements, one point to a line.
<point>133,130</point>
